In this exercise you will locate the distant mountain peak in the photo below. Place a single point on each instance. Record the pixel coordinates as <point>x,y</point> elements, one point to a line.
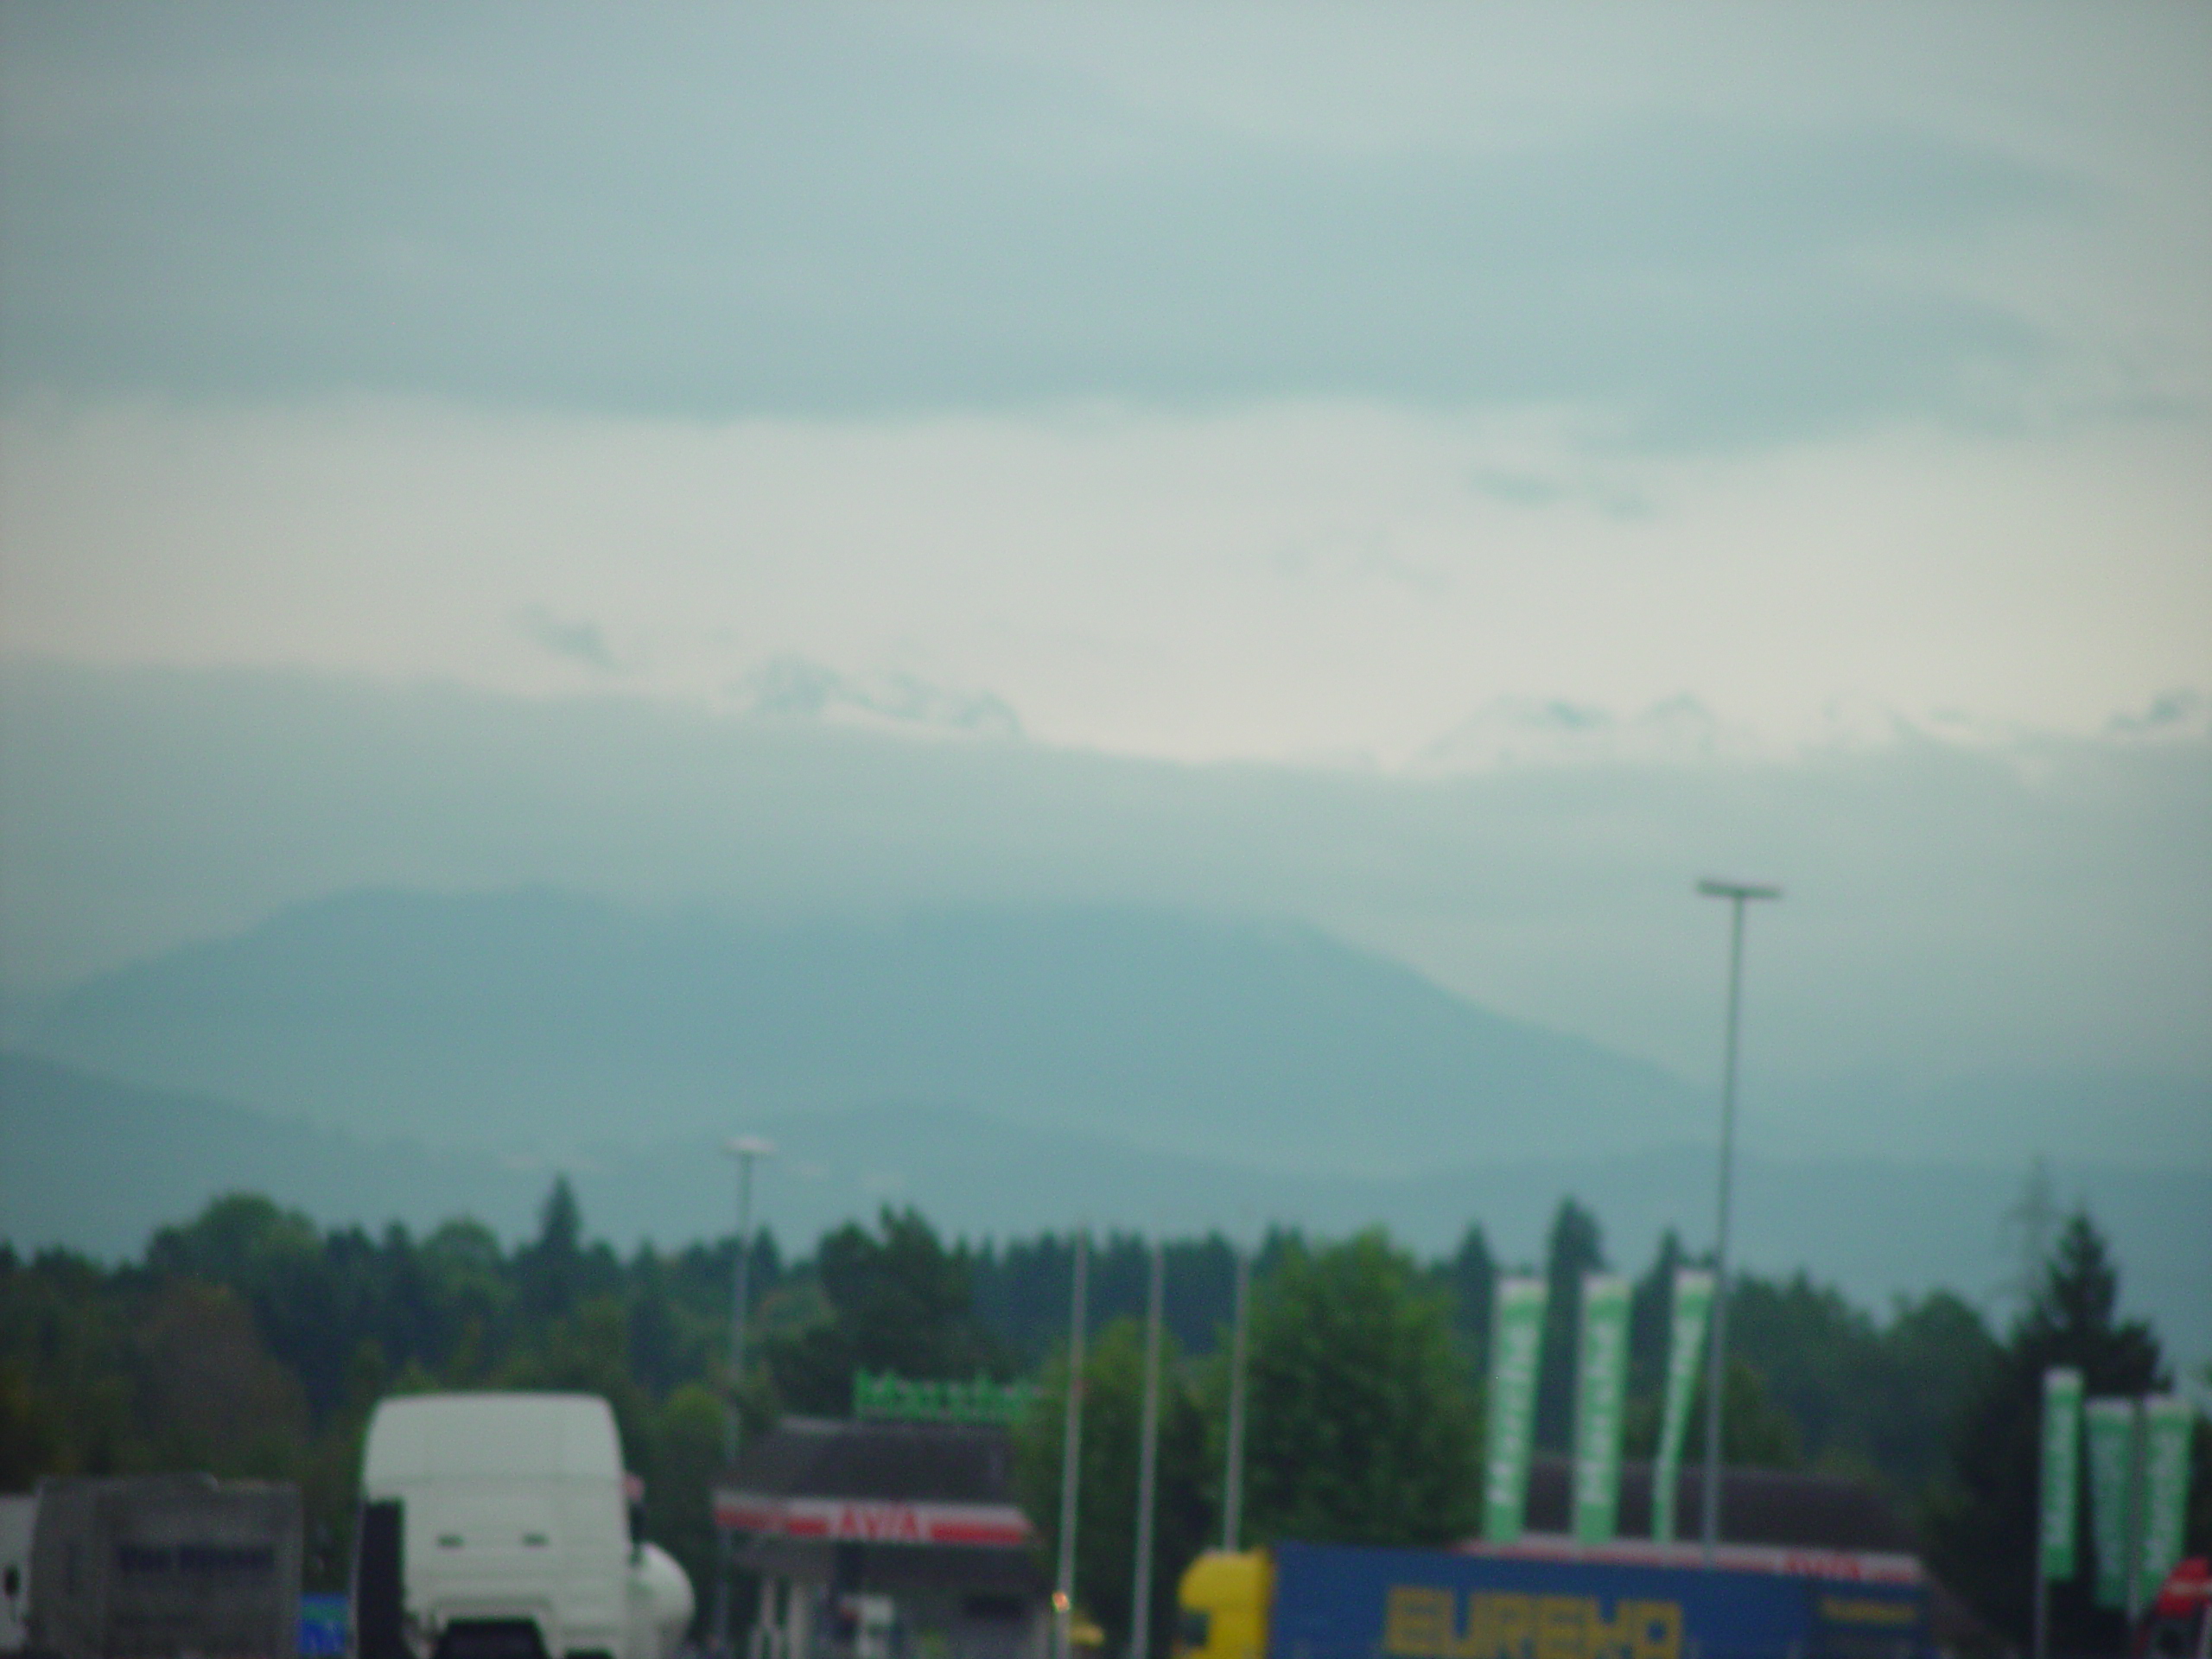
<point>532,1015</point>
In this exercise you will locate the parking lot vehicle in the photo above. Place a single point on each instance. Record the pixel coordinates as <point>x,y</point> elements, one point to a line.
<point>2178,1624</point>
<point>159,1567</point>
<point>1307,1601</point>
<point>502,1526</point>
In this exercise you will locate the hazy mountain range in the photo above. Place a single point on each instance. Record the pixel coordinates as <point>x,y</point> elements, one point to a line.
<point>534,1018</point>
<point>383,1055</point>
<point>2032,916</point>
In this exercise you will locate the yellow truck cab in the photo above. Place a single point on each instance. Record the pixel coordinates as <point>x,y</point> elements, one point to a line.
<point>1222,1604</point>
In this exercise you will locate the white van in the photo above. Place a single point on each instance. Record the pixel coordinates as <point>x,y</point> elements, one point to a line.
<point>497,1526</point>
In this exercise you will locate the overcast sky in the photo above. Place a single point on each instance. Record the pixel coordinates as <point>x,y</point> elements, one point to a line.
<point>1296,384</point>
<point>1451,473</point>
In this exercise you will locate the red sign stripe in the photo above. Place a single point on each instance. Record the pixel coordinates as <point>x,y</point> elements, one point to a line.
<point>873,1519</point>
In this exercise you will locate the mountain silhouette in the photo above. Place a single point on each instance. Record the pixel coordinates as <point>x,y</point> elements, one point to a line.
<point>536,1018</point>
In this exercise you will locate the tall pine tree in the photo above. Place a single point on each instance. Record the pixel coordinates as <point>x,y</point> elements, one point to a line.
<point>1576,1248</point>
<point>1983,1534</point>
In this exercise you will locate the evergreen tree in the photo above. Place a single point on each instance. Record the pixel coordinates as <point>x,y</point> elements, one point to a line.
<point>1984,1533</point>
<point>1650,1320</point>
<point>1472,1272</point>
<point>1576,1248</point>
<point>551,1270</point>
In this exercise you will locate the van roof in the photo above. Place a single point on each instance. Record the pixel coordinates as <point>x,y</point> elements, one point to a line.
<point>420,1437</point>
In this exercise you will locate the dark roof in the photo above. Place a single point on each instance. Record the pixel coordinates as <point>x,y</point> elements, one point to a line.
<point>817,1456</point>
<point>1758,1506</point>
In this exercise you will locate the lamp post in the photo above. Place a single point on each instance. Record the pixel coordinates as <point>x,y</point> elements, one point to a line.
<point>1738,893</point>
<point>1147,1457</point>
<point>745,1148</point>
<point>1071,1454</point>
<point>1232,1502</point>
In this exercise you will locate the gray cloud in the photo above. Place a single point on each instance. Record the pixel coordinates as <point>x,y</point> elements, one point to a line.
<point>2178,714</point>
<point>1522,731</point>
<point>580,641</point>
<point>797,687</point>
<point>2040,908</point>
<point>740,213</point>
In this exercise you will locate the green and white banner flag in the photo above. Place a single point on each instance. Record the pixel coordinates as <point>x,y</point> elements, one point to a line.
<point>1516,1340</point>
<point>2168,1421</point>
<point>2058,1521</point>
<point>2111,1426</point>
<point>1600,1385</point>
<point>1685,1353</point>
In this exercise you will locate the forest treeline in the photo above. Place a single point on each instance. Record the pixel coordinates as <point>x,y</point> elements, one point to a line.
<point>249,1342</point>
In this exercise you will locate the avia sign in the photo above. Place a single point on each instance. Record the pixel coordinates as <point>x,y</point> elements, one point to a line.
<point>871,1519</point>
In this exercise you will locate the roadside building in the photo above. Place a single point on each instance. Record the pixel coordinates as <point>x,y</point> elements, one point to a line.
<point>892,1535</point>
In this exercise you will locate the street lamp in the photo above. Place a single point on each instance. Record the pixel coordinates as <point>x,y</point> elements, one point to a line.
<point>1147,1456</point>
<point>1738,893</point>
<point>1232,1501</point>
<point>1072,1452</point>
<point>745,1148</point>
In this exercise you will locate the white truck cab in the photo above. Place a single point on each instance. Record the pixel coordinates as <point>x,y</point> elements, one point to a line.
<point>497,1526</point>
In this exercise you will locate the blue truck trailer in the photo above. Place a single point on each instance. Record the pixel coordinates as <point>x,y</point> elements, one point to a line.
<point>1310,1601</point>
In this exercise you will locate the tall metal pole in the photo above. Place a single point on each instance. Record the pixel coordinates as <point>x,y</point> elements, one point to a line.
<point>745,1149</point>
<point>1071,1456</point>
<point>1147,1461</point>
<point>2133,1517</point>
<point>1737,893</point>
<point>1232,1492</point>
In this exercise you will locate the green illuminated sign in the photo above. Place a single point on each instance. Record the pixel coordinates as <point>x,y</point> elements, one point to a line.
<point>2062,1472</point>
<point>885,1397</point>
<point>1516,1345</point>
<point>1685,1349</point>
<point>1601,1379</point>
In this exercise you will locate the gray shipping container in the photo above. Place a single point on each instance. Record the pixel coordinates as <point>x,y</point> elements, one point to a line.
<point>159,1567</point>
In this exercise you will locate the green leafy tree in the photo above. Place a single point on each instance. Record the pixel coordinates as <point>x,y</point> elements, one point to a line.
<point>587,1351</point>
<point>1817,1357</point>
<point>1937,1355</point>
<point>1362,1419</point>
<point>209,1395</point>
<point>274,1259</point>
<point>29,1438</point>
<point>1106,1489</point>
<point>1822,1384</point>
<point>1754,1431</point>
<point>470,1297</point>
<point>1983,1533</point>
<point>686,1451</point>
